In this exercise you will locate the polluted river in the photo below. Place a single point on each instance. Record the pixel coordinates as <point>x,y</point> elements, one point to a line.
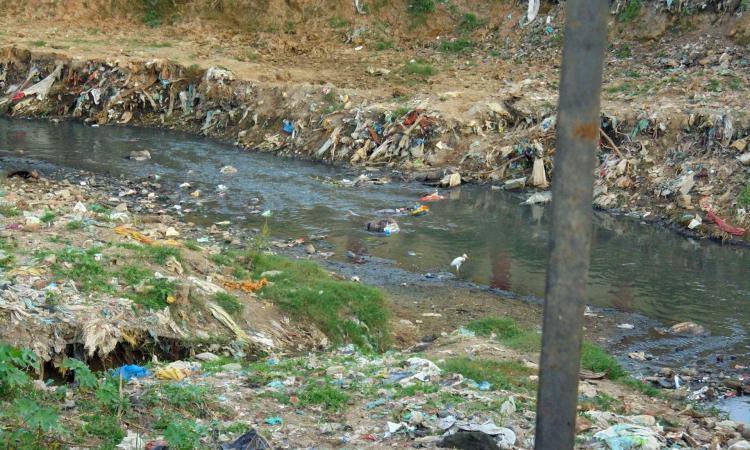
<point>653,275</point>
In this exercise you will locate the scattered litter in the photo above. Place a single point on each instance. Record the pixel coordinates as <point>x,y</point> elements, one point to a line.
<point>538,198</point>
<point>251,440</point>
<point>129,371</point>
<point>626,436</point>
<point>275,420</point>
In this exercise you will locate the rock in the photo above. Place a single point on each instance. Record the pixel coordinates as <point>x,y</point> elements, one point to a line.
<point>725,59</point>
<point>310,249</point>
<point>50,259</point>
<point>122,207</point>
<point>744,159</point>
<point>740,445</point>
<point>515,184</point>
<point>469,440</point>
<point>335,370</point>
<point>206,356</point>
<point>417,419</point>
<point>583,424</point>
<point>232,367</point>
<point>688,328</point>
<point>171,232</point>
<point>451,180</point>
<point>140,155</point>
<point>643,420</point>
<point>727,424</point>
<point>685,201</point>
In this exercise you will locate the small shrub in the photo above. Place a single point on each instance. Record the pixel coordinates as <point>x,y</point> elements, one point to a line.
<point>329,397</point>
<point>594,358</point>
<point>469,23</point>
<point>229,302</point>
<point>421,7</point>
<point>38,43</point>
<point>456,46</point>
<point>744,198</point>
<point>631,11</point>
<point>417,68</point>
<point>74,225</point>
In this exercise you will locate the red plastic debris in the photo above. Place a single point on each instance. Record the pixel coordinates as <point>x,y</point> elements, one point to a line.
<point>18,96</point>
<point>705,203</point>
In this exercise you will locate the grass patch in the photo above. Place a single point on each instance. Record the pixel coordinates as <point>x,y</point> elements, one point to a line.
<point>336,22</point>
<point>506,375</point>
<point>134,275</point>
<point>624,51</point>
<point>419,68</point>
<point>8,210</point>
<point>744,197</point>
<point>39,43</point>
<point>414,389</point>
<point>594,358</point>
<point>74,225</point>
<point>383,44</point>
<point>469,22</point>
<point>344,311</point>
<point>154,293</point>
<point>329,397</point>
<point>160,45</point>
<point>84,267</point>
<point>420,8</point>
<point>48,217</point>
<point>456,46</point>
<point>229,302</point>
<point>631,11</point>
<point>159,254</point>
<point>508,333</point>
<point>640,386</point>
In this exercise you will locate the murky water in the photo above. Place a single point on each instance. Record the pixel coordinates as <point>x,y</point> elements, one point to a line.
<point>634,267</point>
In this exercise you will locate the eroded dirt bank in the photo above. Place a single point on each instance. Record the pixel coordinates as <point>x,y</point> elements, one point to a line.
<point>471,91</point>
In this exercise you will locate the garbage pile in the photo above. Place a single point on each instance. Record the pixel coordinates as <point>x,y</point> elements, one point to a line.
<point>399,399</point>
<point>80,273</point>
<point>657,163</point>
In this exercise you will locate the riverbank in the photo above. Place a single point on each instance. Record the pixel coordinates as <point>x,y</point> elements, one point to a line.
<point>672,149</point>
<point>75,250</point>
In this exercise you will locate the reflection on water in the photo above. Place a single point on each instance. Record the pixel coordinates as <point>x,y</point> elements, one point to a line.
<point>634,267</point>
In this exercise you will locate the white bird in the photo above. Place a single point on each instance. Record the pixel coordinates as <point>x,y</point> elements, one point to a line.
<point>458,261</point>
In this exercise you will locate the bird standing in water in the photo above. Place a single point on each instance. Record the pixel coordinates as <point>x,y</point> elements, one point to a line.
<point>458,261</point>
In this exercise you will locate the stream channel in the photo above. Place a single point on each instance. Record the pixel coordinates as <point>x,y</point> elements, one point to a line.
<point>636,268</point>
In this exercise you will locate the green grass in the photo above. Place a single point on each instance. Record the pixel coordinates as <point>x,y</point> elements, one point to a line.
<point>344,311</point>
<point>336,22</point>
<point>744,197</point>
<point>419,68</point>
<point>640,386</point>
<point>160,45</point>
<point>159,254</point>
<point>506,375</point>
<point>134,275</point>
<point>420,8</point>
<point>9,210</point>
<point>469,22</point>
<point>631,11</point>
<point>82,267</point>
<point>383,44</point>
<point>229,302</point>
<point>508,333</point>
<point>596,359</point>
<point>154,294</point>
<point>624,51</point>
<point>39,43</point>
<point>456,46</point>
<point>714,85</point>
<point>414,389</point>
<point>48,217</point>
<point>329,397</point>
<point>74,225</point>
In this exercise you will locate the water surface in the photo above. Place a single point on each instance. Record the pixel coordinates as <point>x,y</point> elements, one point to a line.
<point>634,267</point>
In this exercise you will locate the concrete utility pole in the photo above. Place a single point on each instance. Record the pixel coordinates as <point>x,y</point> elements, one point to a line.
<point>570,240</point>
